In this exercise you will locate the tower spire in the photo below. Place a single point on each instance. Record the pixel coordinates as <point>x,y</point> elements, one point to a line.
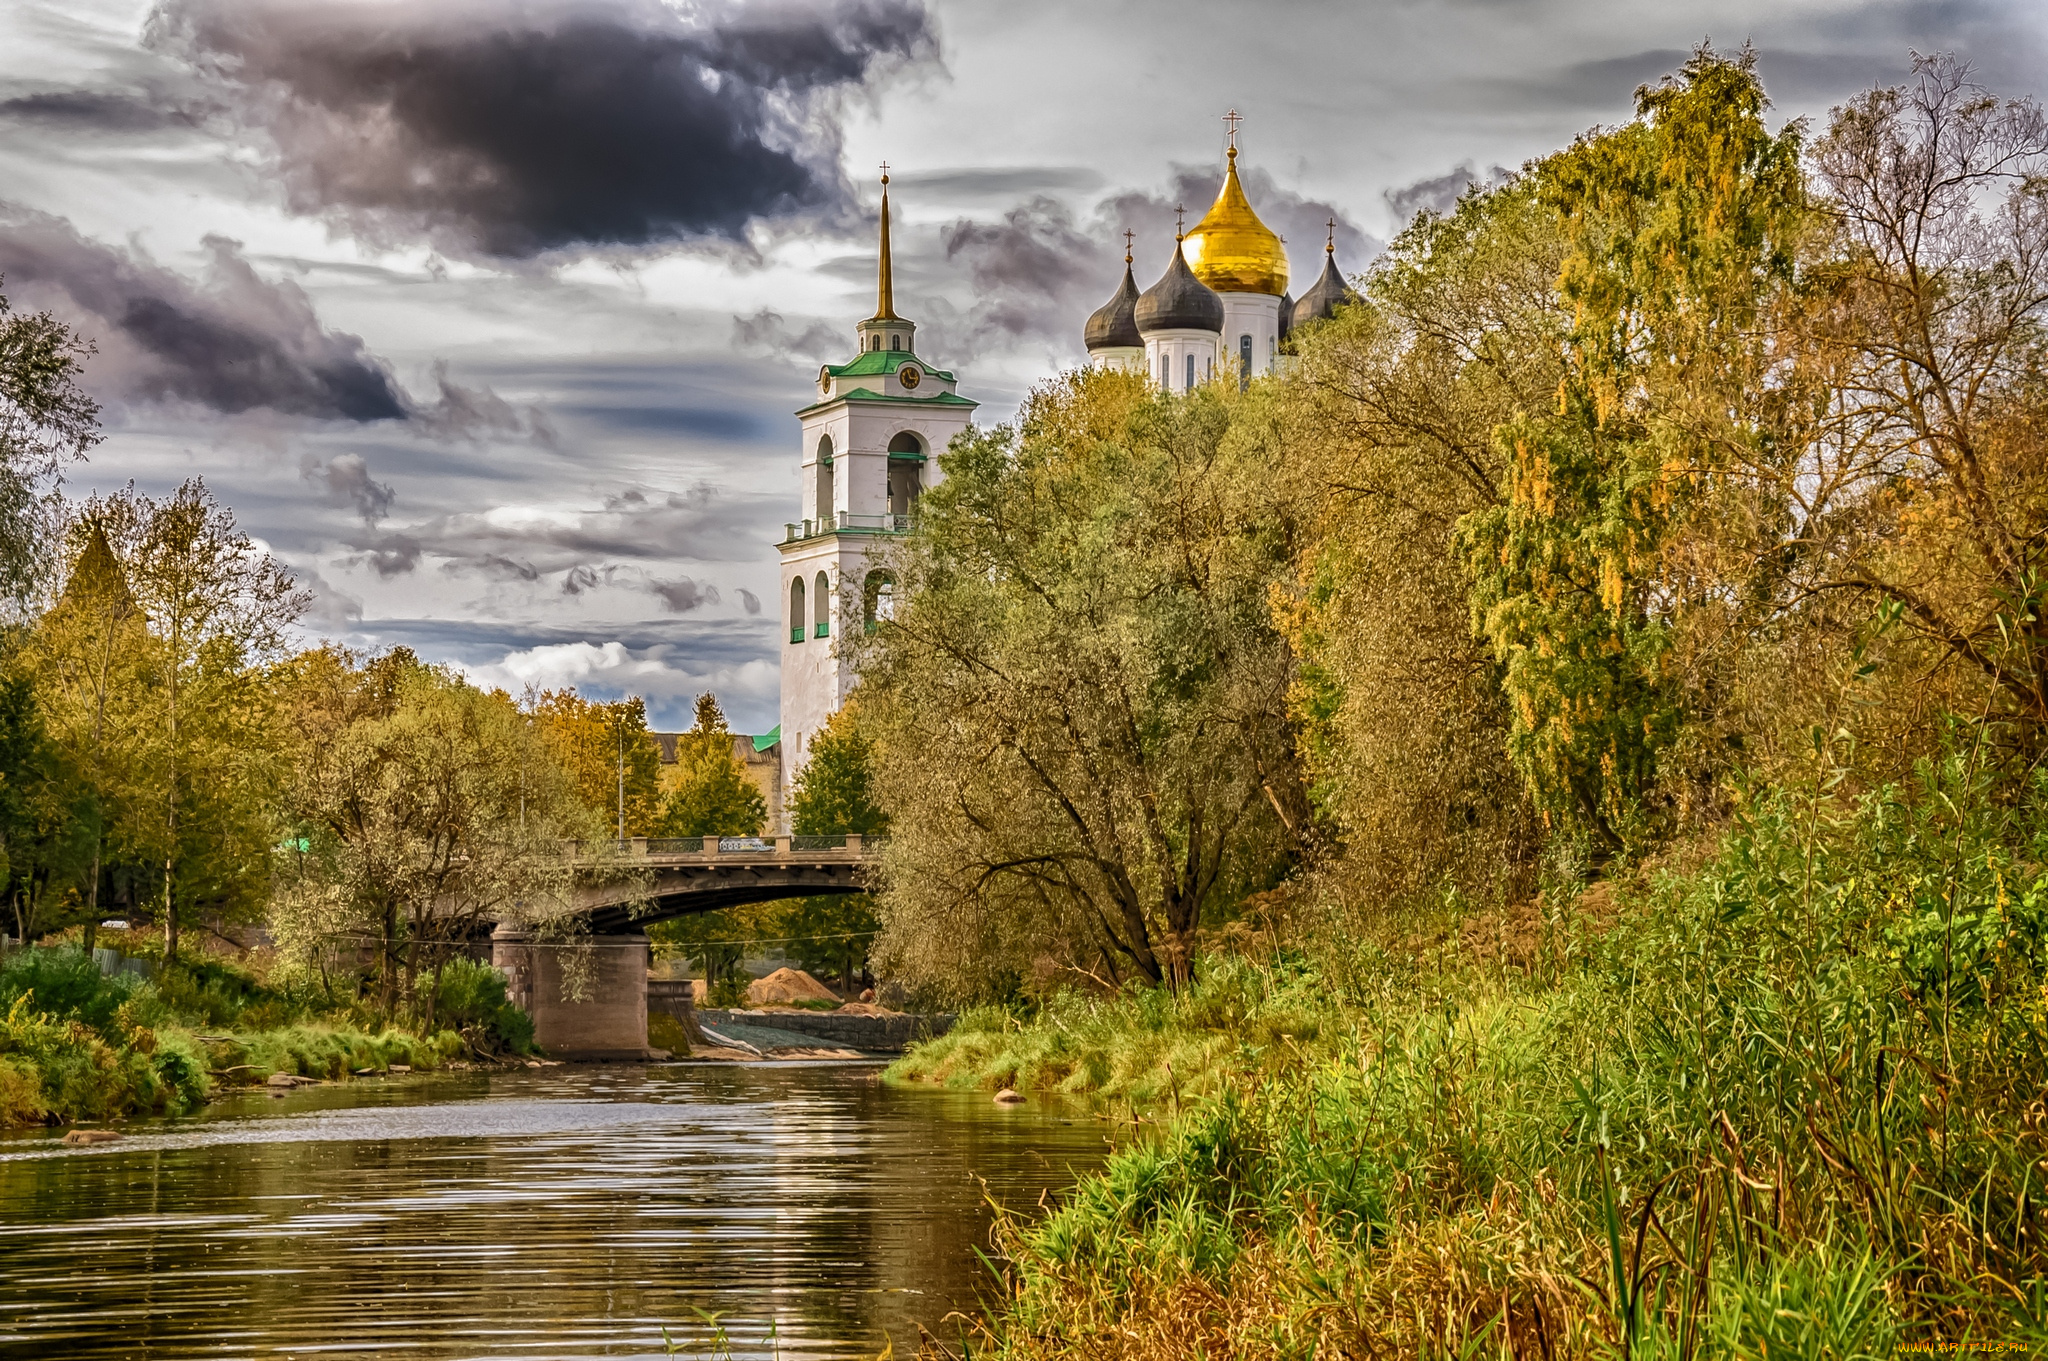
<point>885,291</point>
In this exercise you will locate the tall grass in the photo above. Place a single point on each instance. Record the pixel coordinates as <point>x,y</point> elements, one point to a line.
<point>75,1045</point>
<point>1787,1104</point>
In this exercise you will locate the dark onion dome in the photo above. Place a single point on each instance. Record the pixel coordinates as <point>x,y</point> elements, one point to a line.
<point>1321,302</point>
<point>1179,301</point>
<point>1115,323</point>
<point>1286,314</point>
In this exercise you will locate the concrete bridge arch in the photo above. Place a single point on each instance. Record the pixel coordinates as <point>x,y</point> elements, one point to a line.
<point>661,879</point>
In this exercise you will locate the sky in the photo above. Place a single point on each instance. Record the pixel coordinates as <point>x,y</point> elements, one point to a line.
<point>489,320</point>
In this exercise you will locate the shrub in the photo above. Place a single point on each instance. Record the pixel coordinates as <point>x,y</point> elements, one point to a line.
<point>472,1000</point>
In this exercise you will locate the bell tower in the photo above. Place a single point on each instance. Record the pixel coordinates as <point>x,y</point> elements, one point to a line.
<point>869,448</point>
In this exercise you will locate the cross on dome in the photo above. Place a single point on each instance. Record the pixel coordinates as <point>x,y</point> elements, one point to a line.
<point>1230,121</point>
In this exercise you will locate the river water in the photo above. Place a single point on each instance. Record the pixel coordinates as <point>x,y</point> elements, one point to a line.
<point>561,1212</point>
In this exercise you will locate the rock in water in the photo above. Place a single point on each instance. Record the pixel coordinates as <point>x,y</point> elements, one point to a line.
<point>90,1136</point>
<point>1008,1097</point>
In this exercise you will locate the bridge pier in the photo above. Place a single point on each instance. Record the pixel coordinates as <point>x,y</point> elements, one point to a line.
<point>611,1024</point>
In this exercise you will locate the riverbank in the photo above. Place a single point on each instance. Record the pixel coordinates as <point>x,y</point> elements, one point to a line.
<point>1784,1103</point>
<point>79,1044</point>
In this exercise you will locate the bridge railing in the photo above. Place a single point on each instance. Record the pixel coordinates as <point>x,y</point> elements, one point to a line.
<point>719,846</point>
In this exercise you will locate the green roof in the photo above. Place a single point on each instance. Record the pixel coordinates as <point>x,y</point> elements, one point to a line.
<point>864,395</point>
<point>882,361</point>
<point>769,738</point>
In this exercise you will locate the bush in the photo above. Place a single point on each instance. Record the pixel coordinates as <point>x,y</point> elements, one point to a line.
<point>67,984</point>
<point>472,1000</point>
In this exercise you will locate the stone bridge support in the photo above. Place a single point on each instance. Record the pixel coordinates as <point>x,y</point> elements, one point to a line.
<point>611,1023</point>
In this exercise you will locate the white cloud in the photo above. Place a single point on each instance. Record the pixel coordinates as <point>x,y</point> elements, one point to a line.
<point>607,670</point>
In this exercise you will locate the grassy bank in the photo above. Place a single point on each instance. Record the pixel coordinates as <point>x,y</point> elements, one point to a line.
<point>1785,1104</point>
<point>76,1045</point>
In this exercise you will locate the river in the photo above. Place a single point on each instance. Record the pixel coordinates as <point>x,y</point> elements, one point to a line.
<point>561,1212</point>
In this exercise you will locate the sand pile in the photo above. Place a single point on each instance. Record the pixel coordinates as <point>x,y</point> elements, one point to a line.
<point>788,985</point>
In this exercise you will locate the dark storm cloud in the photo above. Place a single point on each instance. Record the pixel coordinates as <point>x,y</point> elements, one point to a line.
<point>511,131</point>
<point>1032,269</point>
<point>231,341</point>
<point>1439,193</point>
<point>683,594</point>
<point>474,414</point>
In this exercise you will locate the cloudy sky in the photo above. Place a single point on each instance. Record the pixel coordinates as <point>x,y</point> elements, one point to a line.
<point>489,318</point>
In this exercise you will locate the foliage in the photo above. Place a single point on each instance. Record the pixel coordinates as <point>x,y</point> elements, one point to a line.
<point>1081,706</point>
<point>423,807</point>
<point>470,998</point>
<point>608,753</point>
<point>1758,1115</point>
<point>711,795</point>
<point>78,1045</point>
<point>46,419</point>
<point>834,793</point>
<point>1678,231</point>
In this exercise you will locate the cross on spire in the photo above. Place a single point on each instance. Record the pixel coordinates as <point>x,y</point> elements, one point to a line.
<point>1331,246</point>
<point>1180,221</point>
<point>1230,121</point>
<point>1129,236</point>
<point>885,172</point>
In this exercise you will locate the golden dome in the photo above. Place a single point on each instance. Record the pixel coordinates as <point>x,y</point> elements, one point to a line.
<point>1231,250</point>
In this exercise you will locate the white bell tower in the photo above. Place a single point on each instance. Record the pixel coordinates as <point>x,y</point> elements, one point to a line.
<point>870,447</point>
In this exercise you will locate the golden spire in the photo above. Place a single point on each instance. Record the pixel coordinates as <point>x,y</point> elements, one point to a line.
<point>1230,249</point>
<point>1129,236</point>
<point>885,301</point>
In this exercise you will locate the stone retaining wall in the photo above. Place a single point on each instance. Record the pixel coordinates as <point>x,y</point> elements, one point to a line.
<point>874,1034</point>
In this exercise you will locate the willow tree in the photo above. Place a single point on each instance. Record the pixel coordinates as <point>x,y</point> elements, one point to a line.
<point>1644,502</point>
<point>1079,711</point>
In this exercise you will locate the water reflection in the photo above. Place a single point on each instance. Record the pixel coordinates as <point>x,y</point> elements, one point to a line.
<point>562,1213</point>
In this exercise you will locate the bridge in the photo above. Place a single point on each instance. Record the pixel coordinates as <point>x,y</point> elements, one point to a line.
<point>653,879</point>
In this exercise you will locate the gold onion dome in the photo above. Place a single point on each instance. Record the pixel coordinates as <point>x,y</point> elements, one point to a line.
<point>1115,323</point>
<point>1230,250</point>
<point>1178,302</point>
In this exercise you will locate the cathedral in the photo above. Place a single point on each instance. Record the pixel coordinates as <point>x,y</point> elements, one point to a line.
<point>870,440</point>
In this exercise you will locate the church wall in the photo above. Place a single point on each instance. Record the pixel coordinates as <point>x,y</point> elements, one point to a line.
<point>1175,347</point>
<point>1250,314</point>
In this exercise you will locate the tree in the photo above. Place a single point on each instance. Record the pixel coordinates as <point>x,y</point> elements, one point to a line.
<point>834,793</point>
<point>1389,421</point>
<point>95,666</point>
<point>218,609</point>
<point>1080,718</point>
<point>710,794</point>
<point>1681,232</point>
<point>423,807</point>
<point>834,796</point>
<point>45,420</point>
<point>44,840</point>
<point>1930,313</point>
<point>608,752</point>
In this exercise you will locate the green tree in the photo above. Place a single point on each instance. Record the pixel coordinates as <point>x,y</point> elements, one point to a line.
<point>710,794</point>
<point>1680,230</point>
<point>834,793</point>
<point>218,609</point>
<point>1079,711</point>
<point>834,796</point>
<point>45,840</point>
